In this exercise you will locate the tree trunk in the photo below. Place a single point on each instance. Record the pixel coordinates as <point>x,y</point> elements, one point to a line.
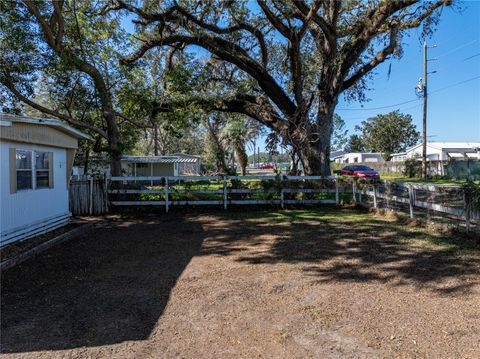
<point>85,164</point>
<point>242,157</point>
<point>114,147</point>
<point>312,141</point>
<point>155,140</point>
<point>293,162</point>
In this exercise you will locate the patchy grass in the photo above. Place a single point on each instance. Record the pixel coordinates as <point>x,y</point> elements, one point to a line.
<point>440,181</point>
<point>367,224</point>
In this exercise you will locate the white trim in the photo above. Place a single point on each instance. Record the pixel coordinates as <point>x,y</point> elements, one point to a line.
<point>34,229</point>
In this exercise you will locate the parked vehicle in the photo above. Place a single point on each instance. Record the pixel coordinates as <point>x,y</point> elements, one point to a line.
<point>266,167</point>
<point>359,171</point>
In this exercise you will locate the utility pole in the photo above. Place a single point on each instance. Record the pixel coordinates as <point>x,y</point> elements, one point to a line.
<point>424,123</point>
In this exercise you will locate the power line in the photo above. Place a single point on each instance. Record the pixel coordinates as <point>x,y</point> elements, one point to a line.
<point>456,84</point>
<point>405,102</point>
<point>377,108</point>
<point>471,57</point>
<point>468,29</point>
<point>457,48</point>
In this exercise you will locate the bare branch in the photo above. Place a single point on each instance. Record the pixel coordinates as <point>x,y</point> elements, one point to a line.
<point>8,83</point>
<point>274,19</point>
<point>229,52</point>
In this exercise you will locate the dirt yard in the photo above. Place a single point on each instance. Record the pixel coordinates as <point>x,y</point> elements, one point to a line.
<point>292,284</point>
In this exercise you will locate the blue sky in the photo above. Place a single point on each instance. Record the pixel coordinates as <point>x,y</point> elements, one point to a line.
<point>453,112</point>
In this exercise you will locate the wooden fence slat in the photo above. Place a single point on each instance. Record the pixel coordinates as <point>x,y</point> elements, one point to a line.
<point>88,197</point>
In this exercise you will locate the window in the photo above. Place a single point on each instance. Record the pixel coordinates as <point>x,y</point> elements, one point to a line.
<point>33,170</point>
<point>23,166</point>
<point>42,169</point>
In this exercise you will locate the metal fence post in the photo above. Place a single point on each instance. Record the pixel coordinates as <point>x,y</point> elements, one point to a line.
<point>166,194</point>
<point>90,207</point>
<point>337,194</point>
<point>411,200</point>
<point>375,205</point>
<point>224,192</point>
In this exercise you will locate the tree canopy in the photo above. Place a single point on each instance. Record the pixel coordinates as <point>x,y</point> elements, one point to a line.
<point>300,55</point>
<point>281,63</point>
<point>389,133</point>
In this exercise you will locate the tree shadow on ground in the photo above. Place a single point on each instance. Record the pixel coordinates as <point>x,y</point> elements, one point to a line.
<point>107,287</point>
<point>351,247</point>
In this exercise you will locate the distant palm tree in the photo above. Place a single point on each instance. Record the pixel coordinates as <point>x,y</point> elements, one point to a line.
<point>236,134</point>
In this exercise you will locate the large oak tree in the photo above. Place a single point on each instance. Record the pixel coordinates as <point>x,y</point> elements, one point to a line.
<point>68,51</point>
<point>302,55</point>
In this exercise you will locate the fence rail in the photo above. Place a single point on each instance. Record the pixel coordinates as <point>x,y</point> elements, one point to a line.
<point>226,190</point>
<point>433,202</point>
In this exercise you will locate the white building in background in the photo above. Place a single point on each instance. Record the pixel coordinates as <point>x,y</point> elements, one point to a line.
<point>358,157</point>
<point>36,163</point>
<point>441,151</point>
<point>159,166</point>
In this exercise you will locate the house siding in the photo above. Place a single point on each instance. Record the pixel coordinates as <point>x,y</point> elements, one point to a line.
<point>25,207</point>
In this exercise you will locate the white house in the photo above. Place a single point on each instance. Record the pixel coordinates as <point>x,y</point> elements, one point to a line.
<point>160,166</point>
<point>36,161</point>
<point>441,151</point>
<point>357,157</point>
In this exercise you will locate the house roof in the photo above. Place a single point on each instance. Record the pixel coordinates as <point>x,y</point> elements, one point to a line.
<point>159,159</point>
<point>358,153</point>
<point>442,146</point>
<point>7,120</point>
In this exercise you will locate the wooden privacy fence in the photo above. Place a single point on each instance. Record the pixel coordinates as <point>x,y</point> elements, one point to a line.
<point>227,191</point>
<point>88,197</point>
<point>432,202</point>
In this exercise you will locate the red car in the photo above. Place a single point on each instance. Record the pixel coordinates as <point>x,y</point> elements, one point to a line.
<point>266,167</point>
<point>359,171</point>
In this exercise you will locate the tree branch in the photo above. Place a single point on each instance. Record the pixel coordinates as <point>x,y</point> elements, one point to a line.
<point>256,107</point>
<point>8,83</point>
<point>229,52</point>
<point>274,19</point>
<point>380,57</point>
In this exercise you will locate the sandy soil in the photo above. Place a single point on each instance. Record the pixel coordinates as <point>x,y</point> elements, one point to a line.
<point>335,285</point>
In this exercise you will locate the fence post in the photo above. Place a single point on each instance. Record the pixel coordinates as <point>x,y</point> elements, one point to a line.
<point>166,194</point>
<point>105,182</point>
<point>354,190</point>
<point>224,192</point>
<point>282,194</point>
<point>337,194</point>
<point>90,207</point>
<point>411,199</point>
<point>467,213</point>
<point>375,205</point>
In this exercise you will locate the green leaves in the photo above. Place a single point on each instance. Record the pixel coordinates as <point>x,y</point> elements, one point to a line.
<point>390,133</point>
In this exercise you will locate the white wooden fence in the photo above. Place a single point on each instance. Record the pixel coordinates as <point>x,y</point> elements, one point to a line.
<point>227,190</point>
<point>420,200</point>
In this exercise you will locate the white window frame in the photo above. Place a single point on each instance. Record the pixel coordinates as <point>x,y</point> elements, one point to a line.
<point>33,170</point>
<point>32,165</point>
<point>47,170</point>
